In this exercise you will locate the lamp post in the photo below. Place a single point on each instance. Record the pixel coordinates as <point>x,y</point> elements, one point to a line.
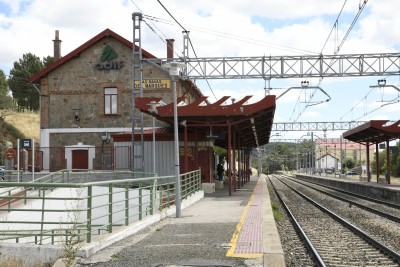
<point>326,160</point>
<point>335,159</point>
<point>298,141</point>
<point>174,68</point>
<point>153,109</point>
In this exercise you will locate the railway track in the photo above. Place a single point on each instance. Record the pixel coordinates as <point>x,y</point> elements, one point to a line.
<point>332,240</point>
<point>381,221</point>
<point>387,210</point>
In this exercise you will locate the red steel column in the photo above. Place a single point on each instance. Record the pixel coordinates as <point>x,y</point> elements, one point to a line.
<point>387,162</point>
<point>186,167</point>
<point>377,162</point>
<point>234,160</point>
<point>228,152</point>
<point>368,164</point>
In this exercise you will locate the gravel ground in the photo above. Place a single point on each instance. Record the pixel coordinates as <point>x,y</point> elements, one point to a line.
<point>295,252</point>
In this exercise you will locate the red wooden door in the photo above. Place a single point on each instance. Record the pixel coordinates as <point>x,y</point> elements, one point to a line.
<point>80,159</point>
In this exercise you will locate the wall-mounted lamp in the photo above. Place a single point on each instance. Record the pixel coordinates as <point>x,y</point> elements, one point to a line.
<point>233,100</point>
<point>105,137</point>
<point>77,116</point>
<point>305,83</point>
<point>382,82</point>
<point>153,107</point>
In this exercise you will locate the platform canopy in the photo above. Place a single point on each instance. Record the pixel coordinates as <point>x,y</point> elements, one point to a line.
<point>374,131</point>
<point>250,124</point>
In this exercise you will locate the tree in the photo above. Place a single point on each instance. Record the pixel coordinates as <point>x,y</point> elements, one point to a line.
<point>48,61</point>
<point>349,163</point>
<point>395,167</point>
<point>25,94</point>
<point>5,99</point>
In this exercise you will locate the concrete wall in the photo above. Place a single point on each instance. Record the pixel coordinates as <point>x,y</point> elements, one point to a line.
<point>369,190</point>
<point>59,200</point>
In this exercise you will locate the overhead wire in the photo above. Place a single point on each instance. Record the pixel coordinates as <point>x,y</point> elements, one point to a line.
<point>335,26</point>
<point>352,108</point>
<point>153,27</point>
<point>360,9</point>
<point>390,102</point>
<point>235,37</point>
<point>163,40</point>
<point>191,44</point>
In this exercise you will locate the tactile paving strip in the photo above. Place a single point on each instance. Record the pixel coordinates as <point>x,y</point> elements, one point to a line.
<point>247,240</point>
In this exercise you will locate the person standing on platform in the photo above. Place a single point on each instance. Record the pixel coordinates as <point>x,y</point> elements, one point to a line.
<point>220,172</point>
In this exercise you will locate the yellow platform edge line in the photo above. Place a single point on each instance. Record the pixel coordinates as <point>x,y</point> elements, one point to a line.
<point>248,256</point>
<point>235,236</point>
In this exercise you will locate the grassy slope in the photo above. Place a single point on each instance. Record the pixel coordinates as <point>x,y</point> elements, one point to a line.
<point>21,125</point>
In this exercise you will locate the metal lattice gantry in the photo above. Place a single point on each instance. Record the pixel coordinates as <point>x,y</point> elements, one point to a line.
<point>279,67</point>
<point>315,126</point>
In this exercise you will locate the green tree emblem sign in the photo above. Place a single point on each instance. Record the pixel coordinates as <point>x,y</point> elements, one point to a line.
<point>108,54</point>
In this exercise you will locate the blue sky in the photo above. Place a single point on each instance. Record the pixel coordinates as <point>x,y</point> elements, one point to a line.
<point>228,28</point>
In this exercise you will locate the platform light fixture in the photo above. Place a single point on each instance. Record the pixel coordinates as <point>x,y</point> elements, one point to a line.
<point>153,110</point>
<point>105,137</point>
<point>305,84</point>
<point>77,117</point>
<point>174,71</point>
<point>382,82</point>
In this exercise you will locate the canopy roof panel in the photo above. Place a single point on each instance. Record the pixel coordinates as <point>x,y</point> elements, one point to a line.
<point>252,123</point>
<point>374,131</point>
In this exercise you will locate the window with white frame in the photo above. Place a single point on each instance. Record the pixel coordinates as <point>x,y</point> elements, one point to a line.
<point>110,101</point>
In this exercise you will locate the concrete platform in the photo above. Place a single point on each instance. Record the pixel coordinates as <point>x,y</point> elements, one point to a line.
<point>379,191</point>
<point>218,230</point>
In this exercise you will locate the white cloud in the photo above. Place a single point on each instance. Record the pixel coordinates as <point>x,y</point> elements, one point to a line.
<point>221,28</point>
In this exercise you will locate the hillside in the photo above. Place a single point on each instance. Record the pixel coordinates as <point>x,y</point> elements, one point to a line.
<point>20,125</point>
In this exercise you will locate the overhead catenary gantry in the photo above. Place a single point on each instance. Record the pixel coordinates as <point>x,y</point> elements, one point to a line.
<point>315,126</point>
<point>282,67</point>
<point>276,67</point>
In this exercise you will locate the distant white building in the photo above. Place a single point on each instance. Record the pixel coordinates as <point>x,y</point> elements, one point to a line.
<point>328,161</point>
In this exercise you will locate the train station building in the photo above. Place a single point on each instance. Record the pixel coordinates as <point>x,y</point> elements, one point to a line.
<point>86,116</point>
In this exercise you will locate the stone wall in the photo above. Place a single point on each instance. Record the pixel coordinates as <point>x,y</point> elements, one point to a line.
<point>77,88</point>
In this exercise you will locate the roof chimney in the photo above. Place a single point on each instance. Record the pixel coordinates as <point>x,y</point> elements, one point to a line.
<point>57,47</point>
<point>170,48</point>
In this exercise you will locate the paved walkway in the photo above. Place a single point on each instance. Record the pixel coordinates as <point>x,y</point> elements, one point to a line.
<point>218,230</point>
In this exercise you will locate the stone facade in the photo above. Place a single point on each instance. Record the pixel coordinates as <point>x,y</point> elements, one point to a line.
<point>78,87</point>
<point>73,97</point>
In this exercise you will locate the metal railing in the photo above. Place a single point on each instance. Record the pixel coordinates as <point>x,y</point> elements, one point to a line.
<point>10,176</point>
<point>73,206</point>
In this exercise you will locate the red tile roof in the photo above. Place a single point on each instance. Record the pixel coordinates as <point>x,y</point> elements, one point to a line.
<point>374,131</point>
<point>75,53</point>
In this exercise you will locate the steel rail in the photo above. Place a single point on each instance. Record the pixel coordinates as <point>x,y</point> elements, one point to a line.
<point>372,210</point>
<point>390,204</point>
<point>303,235</point>
<point>355,229</point>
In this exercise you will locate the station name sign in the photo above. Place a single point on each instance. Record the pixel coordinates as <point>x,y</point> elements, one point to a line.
<point>153,84</point>
<point>111,65</point>
<point>217,136</point>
